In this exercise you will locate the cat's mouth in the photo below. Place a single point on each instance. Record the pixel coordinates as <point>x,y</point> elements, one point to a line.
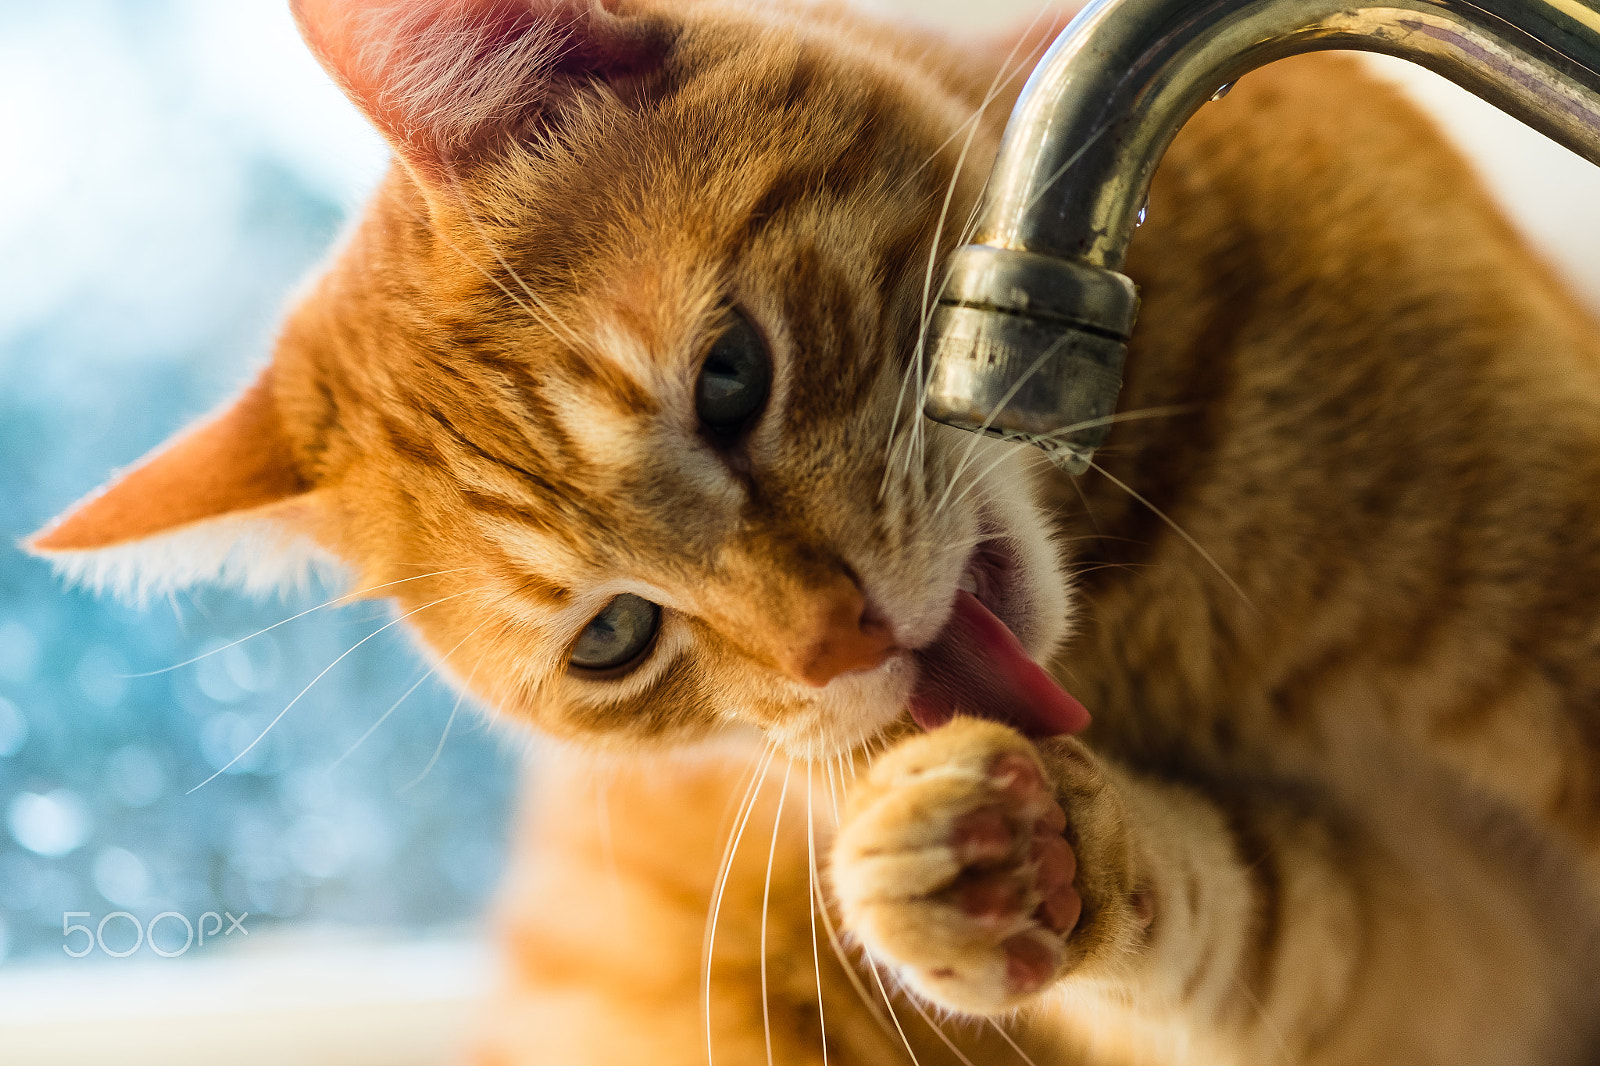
<point>976,665</point>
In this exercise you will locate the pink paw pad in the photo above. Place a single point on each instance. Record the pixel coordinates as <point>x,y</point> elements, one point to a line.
<point>1017,777</point>
<point>1056,866</point>
<point>1029,964</point>
<point>987,832</point>
<point>981,836</point>
<point>993,898</point>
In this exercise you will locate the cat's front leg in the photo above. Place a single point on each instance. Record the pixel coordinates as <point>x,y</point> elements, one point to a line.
<point>984,869</point>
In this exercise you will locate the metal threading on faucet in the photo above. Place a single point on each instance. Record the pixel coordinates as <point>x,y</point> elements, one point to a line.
<point>1029,337</point>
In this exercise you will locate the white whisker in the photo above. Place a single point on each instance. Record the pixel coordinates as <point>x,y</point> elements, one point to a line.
<point>1071,162</point>
<point>404,696</point>
<point>551,320</point>
<point>844,960</point>
<point>978,436</point>
<point>480,268</point>
<point>970,127</point>
<point>920,427</point>
<point>766,895</point>
<point>1266,1021</point>
<point>815,891</point>
<point>474,264</point>
<point>1083,498</point>
<point>1003,77</point>
<point>448,722</point>
<point>872,965</point>
<point>1023,1055</point>
<point>833,795</point>
<point>1165,411</point>
<point>279,717</point>
<point>1180,531</point>
<point>1091,423</point>
<point>746,807</point>
<point>292,618</point>
<point>937,1031</point>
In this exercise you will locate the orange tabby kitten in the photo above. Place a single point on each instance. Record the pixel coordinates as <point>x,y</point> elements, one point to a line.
<point>609,390</point>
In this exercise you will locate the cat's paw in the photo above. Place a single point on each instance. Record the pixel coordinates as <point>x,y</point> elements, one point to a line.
<point>952,866</point>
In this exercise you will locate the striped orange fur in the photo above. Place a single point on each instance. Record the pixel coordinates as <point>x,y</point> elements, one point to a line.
<point>1340,803</point>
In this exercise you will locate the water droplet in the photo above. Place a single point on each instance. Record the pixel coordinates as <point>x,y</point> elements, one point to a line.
<point>1070,460</point>
<point>1139,219</point>
<point>1066,457</point>
<point>1223,91</point>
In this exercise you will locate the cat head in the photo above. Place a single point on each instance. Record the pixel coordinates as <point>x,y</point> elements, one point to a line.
<point>613,388</point>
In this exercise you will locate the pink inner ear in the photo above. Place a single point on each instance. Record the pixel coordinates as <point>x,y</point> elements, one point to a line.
<point>236,461</point>
<point>436,76</point>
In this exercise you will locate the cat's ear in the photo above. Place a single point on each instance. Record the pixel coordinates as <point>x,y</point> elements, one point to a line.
<point>442,78</point>
<point>222,500</point>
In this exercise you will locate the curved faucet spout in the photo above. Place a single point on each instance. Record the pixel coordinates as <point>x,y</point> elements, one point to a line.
<point>1029,335</point>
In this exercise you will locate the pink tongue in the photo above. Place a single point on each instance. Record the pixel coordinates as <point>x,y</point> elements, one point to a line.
<point>977,667</point>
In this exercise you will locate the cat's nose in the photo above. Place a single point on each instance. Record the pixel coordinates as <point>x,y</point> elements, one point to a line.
<point>845,635</point>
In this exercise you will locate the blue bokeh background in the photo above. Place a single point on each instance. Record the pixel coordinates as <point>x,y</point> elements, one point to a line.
<point>168,170</point>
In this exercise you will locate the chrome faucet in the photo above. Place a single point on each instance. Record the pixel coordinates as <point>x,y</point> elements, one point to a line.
<point>1030,331</point>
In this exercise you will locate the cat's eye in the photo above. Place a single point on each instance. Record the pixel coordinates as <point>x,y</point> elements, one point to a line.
<point>617,637</point>
<point>735,378</point>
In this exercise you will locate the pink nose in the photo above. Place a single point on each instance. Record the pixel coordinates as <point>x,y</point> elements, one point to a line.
<point>842,638</point>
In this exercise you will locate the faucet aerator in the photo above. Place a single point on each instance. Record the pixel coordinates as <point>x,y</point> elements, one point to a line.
<point>1029,337</point>
<point>1030,348</point>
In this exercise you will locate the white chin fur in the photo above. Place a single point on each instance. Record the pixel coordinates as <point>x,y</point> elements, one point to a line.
<point>256,556</point>
<point>851,710</point>
<point>1040,608</point>
<point>856,708</point>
